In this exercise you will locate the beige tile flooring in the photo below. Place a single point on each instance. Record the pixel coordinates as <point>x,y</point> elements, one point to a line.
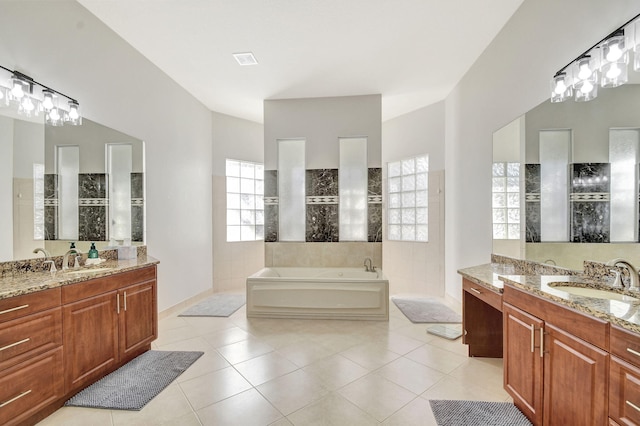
<point>305,372</point>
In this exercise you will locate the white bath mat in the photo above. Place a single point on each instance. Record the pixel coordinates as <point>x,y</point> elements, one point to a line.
<point>218,305</point>
<point>426,310</point>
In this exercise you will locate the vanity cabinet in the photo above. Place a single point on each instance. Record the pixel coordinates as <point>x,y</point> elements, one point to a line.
<point>107,322</point>
<point>481,320</point>
<point>30,355</point>
<point>556,361</point>
<point>624,381</point>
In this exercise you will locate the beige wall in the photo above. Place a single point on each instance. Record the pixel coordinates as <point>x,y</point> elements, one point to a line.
<point>345,254</point>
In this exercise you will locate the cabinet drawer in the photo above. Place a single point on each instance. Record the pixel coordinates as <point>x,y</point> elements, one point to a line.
<point>490,297</point>
<point>624,392</point>
<point>625,344</point>
<point>94,287</point>
<point>20,306</point>
<point>25,337</point>
<point>30,386</point>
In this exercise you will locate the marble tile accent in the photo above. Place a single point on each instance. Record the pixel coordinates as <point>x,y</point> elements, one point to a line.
<point>322,223</point>
<point>270,183</point>
<point>322,182</point>
<point>270,223</point>
<point>92,223</point>
<point>374,205</point>
<point>532,202</point>
<point>92,185</point>
<point>589,200</point>
<point>50,206</point>
<point>137,185</point>
<point>137,207</point>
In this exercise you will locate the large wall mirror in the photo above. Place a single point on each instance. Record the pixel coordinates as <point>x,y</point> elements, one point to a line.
<point>66,184</point>
<point>565,181</point>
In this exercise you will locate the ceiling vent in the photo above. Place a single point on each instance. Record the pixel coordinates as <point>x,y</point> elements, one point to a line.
<point>245,58</point>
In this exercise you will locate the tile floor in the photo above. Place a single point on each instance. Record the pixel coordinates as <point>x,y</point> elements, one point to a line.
<point>305,372</point>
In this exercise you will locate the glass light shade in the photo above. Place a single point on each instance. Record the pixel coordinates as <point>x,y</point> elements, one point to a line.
<point>585,90</point>
<point>561,89</point>
<point>28,106</point>
<point>613,48</point>
<point>614,59</point>
<point>18,88</point>
<point>633,35</point>
<point>614,74</point>
<point>48,99</point>
<point>54,117</point>
<point>73,117</point>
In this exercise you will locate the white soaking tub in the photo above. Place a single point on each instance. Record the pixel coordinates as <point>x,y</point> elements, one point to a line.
<point>329,293</point>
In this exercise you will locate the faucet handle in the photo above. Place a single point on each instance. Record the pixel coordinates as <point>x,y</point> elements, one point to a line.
<point>618,280</point>
<point>52,268</point>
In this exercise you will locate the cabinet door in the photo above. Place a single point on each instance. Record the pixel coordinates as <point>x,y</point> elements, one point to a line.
<point>624,392</point>
<point>522,361</point>
<point>576,376</point>
<point>138,318</point>
<point>90,339</point>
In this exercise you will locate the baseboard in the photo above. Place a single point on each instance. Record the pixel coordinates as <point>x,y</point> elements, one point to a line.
<point>184,304</point>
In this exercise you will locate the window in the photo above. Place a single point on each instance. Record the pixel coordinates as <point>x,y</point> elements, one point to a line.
<point>505,190</point>
<point>245,206</point>
<point>408,187</point>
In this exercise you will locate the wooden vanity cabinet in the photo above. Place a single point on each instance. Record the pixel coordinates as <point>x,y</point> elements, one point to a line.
<point>31,378</point>
<point>556,361</point>
<point>107,322</point>
<point>624,381</point>
<point>481,320</point>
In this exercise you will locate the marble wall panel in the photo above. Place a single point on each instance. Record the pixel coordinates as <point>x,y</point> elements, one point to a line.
<point>137,207</point>
<point>50,206</point>
<point>270,222</point>
<point>532,202</point>
<point>374,205</point>
<point>321,182</point>
<point>92,224</point>
<point>322,223</point>
<point>590,202</point>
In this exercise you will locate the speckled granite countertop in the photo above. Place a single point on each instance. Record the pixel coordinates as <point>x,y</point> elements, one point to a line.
<point>19,284</point>
<point>625,313</point>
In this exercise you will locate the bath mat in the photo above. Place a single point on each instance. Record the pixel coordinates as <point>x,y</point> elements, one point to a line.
<point>447,332</point>
<point>426,310</point>
<point>136,383</point>
<point>218,305</point>
<point>473,413</point>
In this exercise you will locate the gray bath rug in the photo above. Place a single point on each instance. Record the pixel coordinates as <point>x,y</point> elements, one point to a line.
<point>136,383</point>
<point>426,310</point>
<point>218,305</point>
<point>474,413</point>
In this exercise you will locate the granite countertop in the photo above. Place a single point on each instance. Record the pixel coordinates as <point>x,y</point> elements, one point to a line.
<point>624,313</point>
<point>25,283</point>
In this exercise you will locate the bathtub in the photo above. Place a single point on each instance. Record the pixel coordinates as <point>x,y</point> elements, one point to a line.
<point>316,293</point>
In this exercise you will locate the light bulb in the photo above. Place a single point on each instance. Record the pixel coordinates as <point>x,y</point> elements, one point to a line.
<point>73,113</point>
<point>587,87</point>
<point>16,90</point>
<point>585,71</point>
<point>614,71</point>
<point>560,87</point>
<point>54,115</point>
<point>47,102</point>
<point>27,104</point>
<point>614,52</point>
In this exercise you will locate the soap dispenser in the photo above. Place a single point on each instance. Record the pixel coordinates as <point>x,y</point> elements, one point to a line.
<point>93,253</point>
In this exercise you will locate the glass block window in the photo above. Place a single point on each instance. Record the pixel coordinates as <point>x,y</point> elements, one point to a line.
<point>408,188</point>
<point>245,206</point>
<point>505,190</point>
<point>38,201</point>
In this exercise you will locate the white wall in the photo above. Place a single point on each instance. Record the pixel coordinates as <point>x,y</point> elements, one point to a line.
<point>68,49</point>
<point>511,77</point>
<point>233,262</point>
<point>412,267</point>
<point>321,121</point>
<point>6,188</point>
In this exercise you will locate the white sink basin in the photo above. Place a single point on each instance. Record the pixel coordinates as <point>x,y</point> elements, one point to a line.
<point>87,271</point>
<point>594,292</point>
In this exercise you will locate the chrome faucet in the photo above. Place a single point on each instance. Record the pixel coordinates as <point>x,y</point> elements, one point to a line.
<point>52,267</point>
<point>633,273</point>
<point>65,259</point>
<point>370,267</point>
<point>46,254</point>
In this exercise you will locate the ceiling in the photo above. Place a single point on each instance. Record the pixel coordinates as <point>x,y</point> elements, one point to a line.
<point>412,52</point>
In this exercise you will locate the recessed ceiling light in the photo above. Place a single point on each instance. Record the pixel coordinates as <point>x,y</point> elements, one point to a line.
<point>245,58</point>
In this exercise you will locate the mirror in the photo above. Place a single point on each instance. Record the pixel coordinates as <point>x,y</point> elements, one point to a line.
<point>586,129</point>
<point>67,184</point>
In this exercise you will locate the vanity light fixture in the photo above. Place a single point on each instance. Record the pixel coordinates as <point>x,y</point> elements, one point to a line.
<point>30,98</point>
<point>604,64</point>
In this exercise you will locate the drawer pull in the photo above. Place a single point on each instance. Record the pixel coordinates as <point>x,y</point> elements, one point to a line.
<point>4,404</point>
<point>17,308</point>
<point>541,342</point>
<point>636,353</point>
<point>15,344</point>
<point>118,303</point>
<point>475,291</point>
<point>533,338</point>
<point>632,405</point>
<point>125,301</point>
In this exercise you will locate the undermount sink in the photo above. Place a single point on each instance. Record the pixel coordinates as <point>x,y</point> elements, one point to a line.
<point>87,271</point>
<point>594,292</point>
